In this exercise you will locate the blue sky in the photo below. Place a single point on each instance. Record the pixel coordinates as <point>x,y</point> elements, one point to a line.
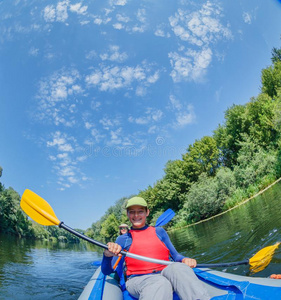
<point>96,96</point>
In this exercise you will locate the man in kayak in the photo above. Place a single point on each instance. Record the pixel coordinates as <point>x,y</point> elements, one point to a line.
<point>146,280</point>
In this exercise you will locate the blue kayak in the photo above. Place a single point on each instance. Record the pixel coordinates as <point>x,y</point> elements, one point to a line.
<point>220,285</point>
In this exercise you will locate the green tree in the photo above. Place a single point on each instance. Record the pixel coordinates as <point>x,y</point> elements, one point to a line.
<point>271,79</point>
<point>201,157</point>
<point>226,184</point>
<point>276,55</point>
<point>12,219</point>
<point>229,134</point>
<point>260,113</point>
<point>254,163</point>
<point>109,228</point>
<point>1,186</point>
<point>203,200</point>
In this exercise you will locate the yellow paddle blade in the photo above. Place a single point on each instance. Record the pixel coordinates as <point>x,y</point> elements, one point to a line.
<point>261,259</point>
<point>38,209</point>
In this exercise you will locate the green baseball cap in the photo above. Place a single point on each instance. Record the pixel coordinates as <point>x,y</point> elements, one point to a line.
<point>136,201</point>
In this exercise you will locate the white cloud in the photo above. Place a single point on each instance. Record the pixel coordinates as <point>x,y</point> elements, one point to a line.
<point>108,123</point>
<point>55,92</point>
<point>141,91</point>
<point>198,31</point>
<point>200,27</point>
<point>184,114</point>
<point>114,55</point>
<point>58,13</point>
<point>49,13</point>
<point>118,26</point>
<point>153,78</point>
<point>33,51</point>
<point>61,11</point>
<point>138,28</point>
<point>78,8</point>
<point>176,105</point>
<point>64,157</point>
<point>141,15</point>
<point>98,20</point>
<point>91,55</point>
<point>191,65</point>
<point>84,22</point>
<point>95,105</point>
<point>97,135</point>
<point>159,32</point>
<point>61,142</point>
<point>116,136</point>
<point>118,2</point>
<point>122,18</point>
<point>88,125</point>
<point>247,18</point>
<point>151,116</point>
<point>114,78</point>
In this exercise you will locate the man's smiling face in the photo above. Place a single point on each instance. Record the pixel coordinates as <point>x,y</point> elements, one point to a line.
<point>137,215</point>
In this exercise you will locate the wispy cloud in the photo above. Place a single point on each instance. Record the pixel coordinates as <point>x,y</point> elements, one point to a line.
<point>64,154</point>
<point>199,27</point>
<point>118,2</point>
<point>113,54</point>
<point>33,51</point>
<point>196,31</point>
<point>109,78</point>
<point>59,12</point>
<point>247,17</point>
<point>56,13</point>
<point>56,98</point>
<point>151,115</point>
<point>184,113</point>
<point>79,8</point>
<point>190,64</point>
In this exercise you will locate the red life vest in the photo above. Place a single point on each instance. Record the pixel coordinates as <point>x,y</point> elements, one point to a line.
<point>146,243</point>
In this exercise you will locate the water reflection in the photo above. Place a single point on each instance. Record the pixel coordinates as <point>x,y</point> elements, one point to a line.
<point>236,235</point>
<point>40,270</point>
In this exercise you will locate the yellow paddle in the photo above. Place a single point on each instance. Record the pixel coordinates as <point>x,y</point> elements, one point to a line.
<point>40,211</point>
<point>262,259</point>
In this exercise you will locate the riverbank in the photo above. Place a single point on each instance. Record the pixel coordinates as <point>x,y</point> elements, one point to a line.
<point>226,211</point>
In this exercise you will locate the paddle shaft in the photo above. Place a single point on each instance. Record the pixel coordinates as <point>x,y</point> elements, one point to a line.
<point>148,259</point>
<point>86,238</point>
<point>230,264</point>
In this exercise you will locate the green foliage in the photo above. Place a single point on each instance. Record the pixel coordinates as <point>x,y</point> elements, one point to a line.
<point>12,219</point>
<point>109,228</point>
<point>226,184</point>
<point>271,79</point>
<point>58,234</point>
<point>238,196</point>
<point>40,232</point>
<point>278,164</point>
<point>260,115</point>
<point>276,55</point>
<point>201,157</point>
<point>228,135</point>
<point>254,163</point>
<point>203,200</point>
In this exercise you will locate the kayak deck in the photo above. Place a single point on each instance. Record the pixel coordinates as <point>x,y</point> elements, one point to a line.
<point>220,285</point>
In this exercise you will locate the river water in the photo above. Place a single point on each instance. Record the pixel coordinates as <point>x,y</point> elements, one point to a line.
<point>36,270</point>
